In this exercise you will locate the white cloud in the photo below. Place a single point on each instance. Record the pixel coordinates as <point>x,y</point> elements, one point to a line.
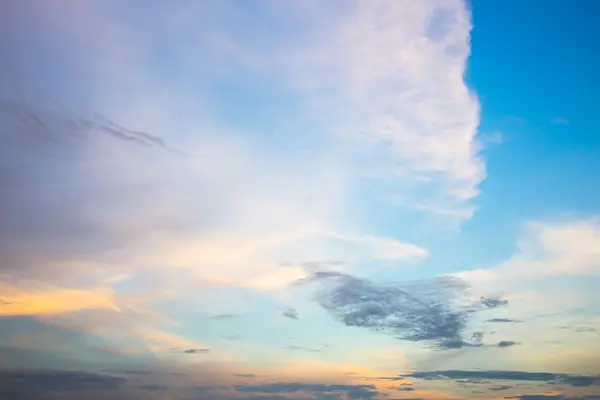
<point>547,249</point>
<point>391,75</point>
<point>552,273</point>
<point>379,74</point>
<point>379,83</point>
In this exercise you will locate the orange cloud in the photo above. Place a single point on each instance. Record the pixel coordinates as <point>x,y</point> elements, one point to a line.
<point>50,300</point>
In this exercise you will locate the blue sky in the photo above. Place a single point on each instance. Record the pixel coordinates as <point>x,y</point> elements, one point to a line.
<point>299,200</point>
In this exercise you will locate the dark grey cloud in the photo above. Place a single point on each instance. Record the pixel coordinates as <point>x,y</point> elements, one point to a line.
<point>27,381</point>
<point>493,302</point>
<point>503,321</point>
<point>189,351</point>
<point>456,344</point>
<point>195,351</point>
<point>352,391</point>
<point>548,377</point>
<point>154,388</point>
<point>586,329</point>
<point>269,397</point>
<point>290,313</point>
<point>539,397</point>
<point>107,126</point>
<point>581,329</point>
<point>245,375</point>
<point>426,311</point>
<point>302,348</point>
<point>405,389</point>
<point>500,388</point>
<point>506,343</point>
<point>409,398</point>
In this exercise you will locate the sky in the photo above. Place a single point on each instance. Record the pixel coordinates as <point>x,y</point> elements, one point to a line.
<point>275,200</point>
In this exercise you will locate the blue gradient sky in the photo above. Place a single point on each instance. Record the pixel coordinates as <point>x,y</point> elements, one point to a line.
<point>299,200</point>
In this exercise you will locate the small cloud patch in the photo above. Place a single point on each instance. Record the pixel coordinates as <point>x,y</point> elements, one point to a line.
<point>290,313</point>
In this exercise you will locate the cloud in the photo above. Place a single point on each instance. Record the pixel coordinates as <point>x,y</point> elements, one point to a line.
<point>246,375</point>
<point>492,302</point>
<point>548,377</point>
<point>47,381</point>
<point>506,343</point>
<point>568,247</point>
<point>195,351</point>
<point>539,397</point>
<point>352,391</point>
<point>422,120</point>
<point>222,317</point>
<point>45,300</point>
<point>89,230</point>
<point>160,342</point>
<point>503,321</point>
<point>153,388</point>
<point>290,313</point>
<point>105,199</point>
<point>500,388</point>
<point>302,348</point>
<point>426,311</point>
